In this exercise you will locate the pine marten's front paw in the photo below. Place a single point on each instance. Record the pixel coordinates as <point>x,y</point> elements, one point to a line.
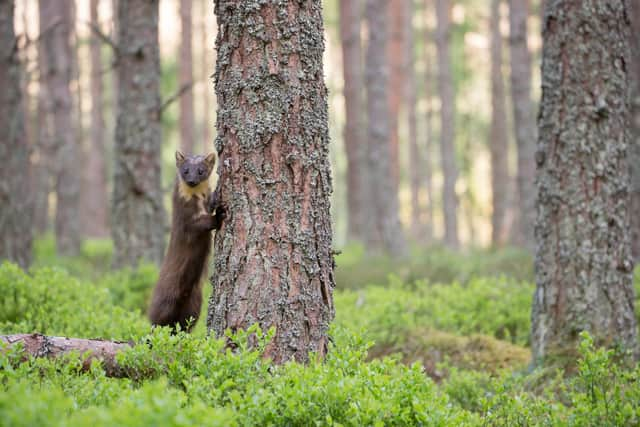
<point>214,202</point>
<point>220,215</point>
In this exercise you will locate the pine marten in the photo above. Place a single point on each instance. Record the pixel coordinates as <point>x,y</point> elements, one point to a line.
<point>177,297</point>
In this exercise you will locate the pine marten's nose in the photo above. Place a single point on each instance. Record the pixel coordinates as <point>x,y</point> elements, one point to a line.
<point>191,183</point>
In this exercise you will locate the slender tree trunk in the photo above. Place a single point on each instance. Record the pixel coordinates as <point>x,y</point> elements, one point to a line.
<point>385,233</point>
<point>15,215</point>
<point>206,72</point>
<point>350,19</point>
<point>395,57</point>
<point>95,198</point>
<point>64,148</point>
<point>584,268</point>
<point>498,144</point>
<point>427,169</point>
<point>412,124</point>
<point>137,209</point>
<point>185,71</point>
<point>274,263</point>
<point>524,122</point>
<point>447,126</point>
<point>634,147</point>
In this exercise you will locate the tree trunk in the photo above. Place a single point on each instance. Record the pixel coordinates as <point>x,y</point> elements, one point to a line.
<point>37,345</point>
<point>427,162</point>
<point>273,263</point>
<point>185,72</point>
<point>412,124</point>
<point>95,198</point>
<point>447,126</point>
<point>350,19</point>
<point>15,215</point>
<point>385,233</point>
<point>206,72</point>
<point>634,147</point>
<point>64,147</point>
<point>137,208</point>
<point>584,269</point>
<point>524,123</point>
<point>498,144</point>
<point>395,57</point>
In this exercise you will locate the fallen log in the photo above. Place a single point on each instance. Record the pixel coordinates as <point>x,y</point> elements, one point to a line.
<point>38,345</point>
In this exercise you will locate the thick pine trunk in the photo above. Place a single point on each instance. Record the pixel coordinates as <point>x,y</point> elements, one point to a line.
<point>137,208</point>
<point>15,215</point>
<point>185,72</point>
<point>411,95</point>
<point>273,255</point>
<point>95,190</point>
<point>524,123</point>
<point>384,234</point>
<point>396,79</point>
<point>498,144</point>
<point>634,146</point>
<point>447,125</point>
<point>350,19</point>
<point>584,268</point>
<point>65,148</point>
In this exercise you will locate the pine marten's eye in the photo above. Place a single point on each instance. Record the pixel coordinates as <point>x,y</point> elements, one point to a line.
<point>185,171</point>
<point>200,171</point>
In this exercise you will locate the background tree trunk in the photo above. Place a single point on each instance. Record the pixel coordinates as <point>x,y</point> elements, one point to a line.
<point>95,197</point>
<point>137,208</point>
<point>411,89</point>
<point>15,215</point>
<point>385,232</point>
<point>498,143</point>
<point>634,147</point>
<point>447,126</point>
<point>584,268</point>
<point>273,263</point>
<point>350,19</point>
<point>427,162</point>
<point>64,148</point>
<point>185,71</point>
<point>524,123</point>
<point>206,72</point>
<point>396,76</point>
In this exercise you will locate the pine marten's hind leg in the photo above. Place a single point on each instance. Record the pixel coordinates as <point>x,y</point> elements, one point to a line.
<point>191,310</point>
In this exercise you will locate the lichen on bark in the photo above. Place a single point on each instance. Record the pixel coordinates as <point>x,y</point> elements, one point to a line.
<point>273,257</point>
<point>583,261</point>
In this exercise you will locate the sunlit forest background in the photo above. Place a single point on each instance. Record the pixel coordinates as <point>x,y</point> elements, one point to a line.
<point>470,39</point>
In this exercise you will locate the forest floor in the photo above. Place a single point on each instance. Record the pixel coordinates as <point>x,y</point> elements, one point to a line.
<point>437,339</point>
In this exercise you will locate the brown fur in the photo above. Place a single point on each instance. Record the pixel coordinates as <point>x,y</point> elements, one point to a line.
<point>177,297</point>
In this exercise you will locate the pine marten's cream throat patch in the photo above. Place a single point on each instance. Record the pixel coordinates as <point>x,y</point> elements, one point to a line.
<point>200,191</point>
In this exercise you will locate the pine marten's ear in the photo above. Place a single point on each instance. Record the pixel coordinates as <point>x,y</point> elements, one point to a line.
<point>210,160</point>
<point>179,158</point>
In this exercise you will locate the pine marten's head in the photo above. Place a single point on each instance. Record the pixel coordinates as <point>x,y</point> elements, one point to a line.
<point>194,172</point>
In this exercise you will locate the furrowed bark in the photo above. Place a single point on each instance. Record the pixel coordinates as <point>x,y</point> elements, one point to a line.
<point>137,210</point>
<point>15,199</point>
<point>584,268</point>
<point>273,255</point>
<point>634,146</point>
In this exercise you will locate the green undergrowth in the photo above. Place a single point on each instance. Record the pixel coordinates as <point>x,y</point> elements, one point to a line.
<point>403,352</point>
